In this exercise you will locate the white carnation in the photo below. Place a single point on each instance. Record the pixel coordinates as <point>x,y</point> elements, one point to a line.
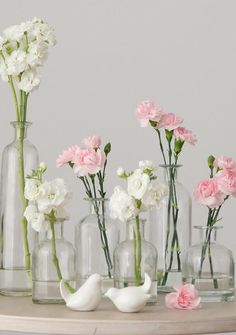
<point>16,62</point>
<point>52,195</point>
<point>138,183</point>
<point>36,219</point>
<point>122,206</point>
<point>32,189</point>
<point>155,193</point>
<point>29,81</point>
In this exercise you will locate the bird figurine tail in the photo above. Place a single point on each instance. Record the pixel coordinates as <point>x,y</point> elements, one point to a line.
<point>147,284</point>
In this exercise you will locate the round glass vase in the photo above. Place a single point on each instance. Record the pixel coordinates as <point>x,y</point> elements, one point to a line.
<point>134,257</point>
<point>17,237</point>
<point>46,282</point>
<point>170,229</point>
<point>210,267</point>
<point>96,237</point>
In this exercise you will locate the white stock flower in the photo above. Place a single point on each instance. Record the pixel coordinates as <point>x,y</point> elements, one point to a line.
<point>146,164</point>
<point>36,219</point>
<point>37,54</point>
<point>3,72</point>
<point>29,81</point>
<point>16,62</point>
<point>138,183</point>
<point>2,41</point>
<point>122,206</point>
<point>43,32</point>
<point>52,195</point>
<point>155,193</point>
<point>32,189</point>
<point>14,33</point>
<point>120,172</point>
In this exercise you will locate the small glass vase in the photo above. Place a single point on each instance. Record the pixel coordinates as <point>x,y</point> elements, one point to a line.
<point>17,238</point>
<point>96,237</point>
<point>170,230</point>
<point>46,281</point>
<point>134,257</point>
<point>210,267</point>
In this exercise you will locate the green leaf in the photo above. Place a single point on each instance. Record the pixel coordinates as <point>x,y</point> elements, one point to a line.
<point>107,148</point>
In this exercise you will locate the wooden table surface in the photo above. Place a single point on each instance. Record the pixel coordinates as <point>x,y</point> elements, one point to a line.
<point>20,314</point>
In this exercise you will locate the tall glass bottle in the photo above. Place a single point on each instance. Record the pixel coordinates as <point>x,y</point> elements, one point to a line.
<point>134,257</point>
<point>210,267</point>
<point>18,159</point>
<point>46,283</point>
<point>170,230</point>
<point>93,233</point>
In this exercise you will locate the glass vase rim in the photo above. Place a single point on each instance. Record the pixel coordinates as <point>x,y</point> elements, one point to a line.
<point>20,124</point>
<point>207,227</point>
<point>170,165</point>
<point>96,199</point>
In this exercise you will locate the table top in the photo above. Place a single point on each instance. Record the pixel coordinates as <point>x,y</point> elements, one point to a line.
<point>20,314</point>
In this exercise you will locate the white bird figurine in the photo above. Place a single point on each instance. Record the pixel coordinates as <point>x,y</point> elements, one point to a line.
<point>130,299</point>
<point>87,297</point>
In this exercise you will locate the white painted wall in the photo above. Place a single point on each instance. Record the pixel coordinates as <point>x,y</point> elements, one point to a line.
<point>111,54</point>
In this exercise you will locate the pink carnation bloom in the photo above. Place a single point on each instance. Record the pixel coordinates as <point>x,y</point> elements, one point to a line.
<point>169,121</point>
<point>185,135</point>
<point>225,163</point>
<point>67,156</point>
<point>207,193</point>
<point>88,161</point>
<point>185,297</point>
<point>92,142</point>
<point>147,111</point>
<point>226,180</point>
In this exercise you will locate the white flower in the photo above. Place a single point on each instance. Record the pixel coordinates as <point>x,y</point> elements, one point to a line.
<point>138,183</point>
<point>120,172</point>
<point>146,165</point>
<point>43,166</point>
<point>32,189</point>
<point>52,195</point>
<point>37,54</point>
<point>122,206</point>
<point>2,41</point>
<point>43,32</point>
<point>16,62</point>
<point>155,193</point>
<point>3,72</point>
<point>36,219</point>
<point>29,81</point>
<point>14,33</point>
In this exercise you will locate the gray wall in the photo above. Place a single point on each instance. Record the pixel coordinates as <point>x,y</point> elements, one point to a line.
<point>110,55</point>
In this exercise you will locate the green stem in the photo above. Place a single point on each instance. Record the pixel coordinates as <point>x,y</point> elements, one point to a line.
<point>55,258</point>
<point>138,253</point>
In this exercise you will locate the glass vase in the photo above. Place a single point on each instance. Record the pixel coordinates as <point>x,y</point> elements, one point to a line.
<point>210,267</point>
<point>96,237</point>
<point>17,239</point>
<point>46,282</point>
<point>134,257</point>
<point>170,230</point>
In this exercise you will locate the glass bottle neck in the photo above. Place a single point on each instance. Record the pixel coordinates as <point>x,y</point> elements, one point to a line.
<point>170,171</point>
<point>135,229</point>
<point>207,234</point>
<point>58,231</point>
<point>21,129</point>
<point>98,206</point>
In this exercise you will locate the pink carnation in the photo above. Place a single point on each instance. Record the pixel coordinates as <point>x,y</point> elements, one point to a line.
<point>169,121</point>
<point>226,180</point>
<point>92,142</point>
<point>225,163</point>
<point>67,156</point>
<point>148,111</point>
<point>88,161</point>
<point>208,193</point>
<point>185,135</point>
<point>185,297</point>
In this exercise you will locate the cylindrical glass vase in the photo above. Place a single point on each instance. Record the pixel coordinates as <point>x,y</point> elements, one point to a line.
<point>96,237</point>
<point>210,267</point>
<point>170,230</point>
<point>46,283</point>
<point>17,238</point>
<point>134,257</point>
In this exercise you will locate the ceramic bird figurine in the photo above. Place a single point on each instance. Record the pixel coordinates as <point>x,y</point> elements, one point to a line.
<point>130,299</point>
<point>87,297</point>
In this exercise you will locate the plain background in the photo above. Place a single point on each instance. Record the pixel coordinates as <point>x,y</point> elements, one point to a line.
<point>112,54</point>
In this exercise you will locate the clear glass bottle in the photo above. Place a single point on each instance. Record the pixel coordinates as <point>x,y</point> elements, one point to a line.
<point>170,230</point>
<point>45,276</point>
<point>18,160</point>
<point>134,257</point>
<point>210,267</point>
<point>94,246</point>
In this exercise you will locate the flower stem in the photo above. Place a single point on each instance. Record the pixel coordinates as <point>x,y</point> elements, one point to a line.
<point>137,252</point>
